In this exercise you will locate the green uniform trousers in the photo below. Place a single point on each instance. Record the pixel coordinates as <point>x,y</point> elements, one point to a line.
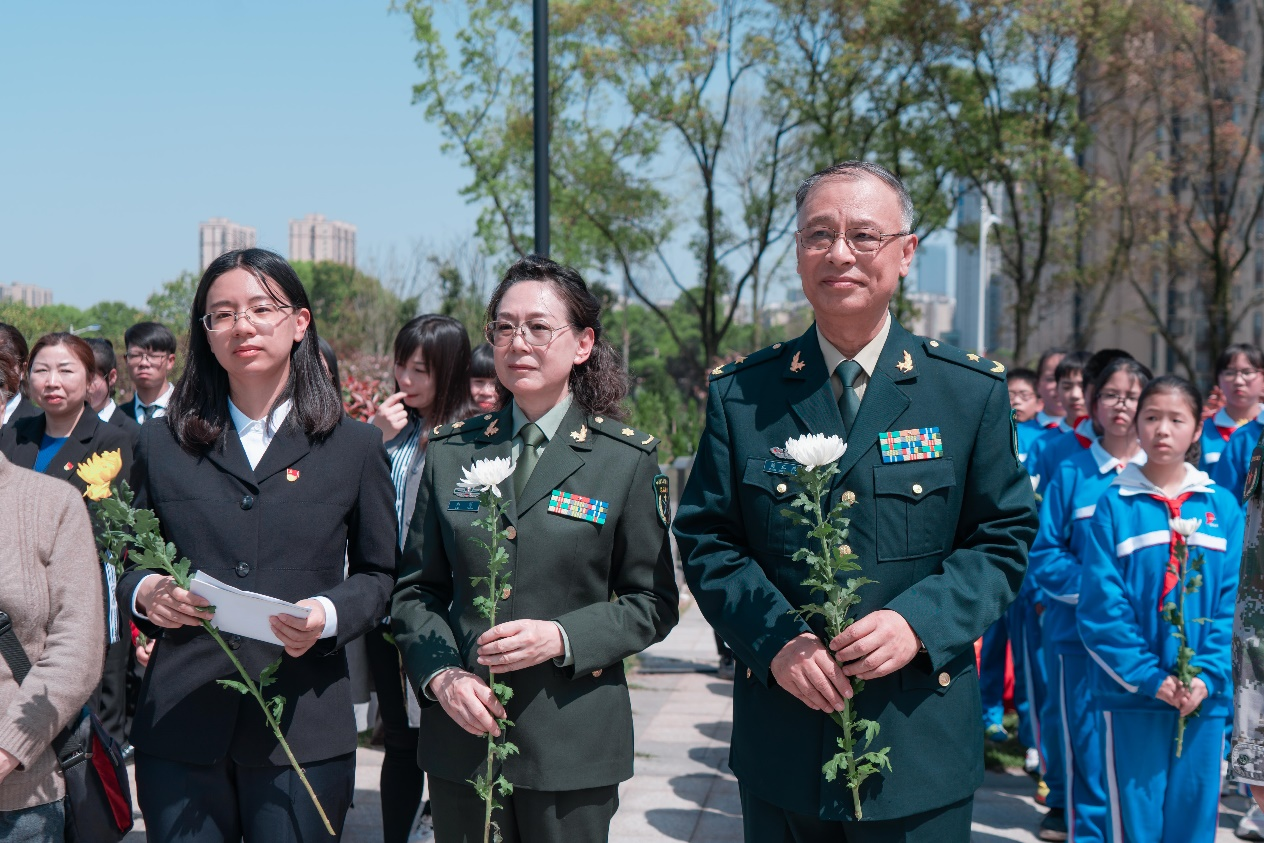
<point>529,816</point>
<point>766,823</point>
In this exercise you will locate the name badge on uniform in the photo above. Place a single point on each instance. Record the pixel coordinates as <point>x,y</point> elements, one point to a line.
<point>463,506</point>
<point>780,467</point>
<point>919,443</point>
<point>578,506</point>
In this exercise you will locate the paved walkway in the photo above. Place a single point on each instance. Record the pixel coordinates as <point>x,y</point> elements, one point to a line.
<point>683,789</point>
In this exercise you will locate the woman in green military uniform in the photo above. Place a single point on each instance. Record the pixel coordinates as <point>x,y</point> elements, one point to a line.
<point>591,583</point>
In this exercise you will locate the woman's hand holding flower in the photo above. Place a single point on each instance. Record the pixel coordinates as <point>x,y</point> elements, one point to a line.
<point>168,605</point>
<point>517,644</point>
<point>468,701</point>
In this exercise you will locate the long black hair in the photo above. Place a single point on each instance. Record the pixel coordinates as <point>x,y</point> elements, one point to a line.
<point>599,384</point>
<point>445,347</point>
<point>198,412</point>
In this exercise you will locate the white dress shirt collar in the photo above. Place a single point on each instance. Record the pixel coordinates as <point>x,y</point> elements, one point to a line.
<point>10,407</point>
<point>107,412</point>
<point>254,434</point>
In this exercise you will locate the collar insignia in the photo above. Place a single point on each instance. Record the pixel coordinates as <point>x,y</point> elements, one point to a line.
<point>906,364</point>
<point>581,434</point>
<point>797,365</point>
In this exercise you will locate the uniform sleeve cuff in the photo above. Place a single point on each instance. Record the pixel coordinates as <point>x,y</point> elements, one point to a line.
<point>331,617</point>
<point>567,658</point>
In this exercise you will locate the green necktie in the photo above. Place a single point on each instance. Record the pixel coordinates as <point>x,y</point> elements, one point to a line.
<point>849,372</point>
<point>532,439</point>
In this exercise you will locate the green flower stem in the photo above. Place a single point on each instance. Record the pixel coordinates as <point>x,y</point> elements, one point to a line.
<point>272,723</point>
<point>1174,613</point>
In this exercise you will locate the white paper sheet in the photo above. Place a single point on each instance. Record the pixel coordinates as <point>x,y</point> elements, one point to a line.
<point>243,613</point>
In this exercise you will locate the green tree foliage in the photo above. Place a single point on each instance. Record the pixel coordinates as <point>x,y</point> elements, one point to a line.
<point>172,303</point>
<point>353,310</point>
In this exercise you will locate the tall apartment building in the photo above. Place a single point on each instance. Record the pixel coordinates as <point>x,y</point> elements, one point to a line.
<point>314,238</point>
<point>971,211</point>
<point>219,235</point>
<point>27,294</point>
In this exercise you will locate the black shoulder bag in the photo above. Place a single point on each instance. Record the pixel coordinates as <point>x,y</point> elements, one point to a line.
<point>98,796</point>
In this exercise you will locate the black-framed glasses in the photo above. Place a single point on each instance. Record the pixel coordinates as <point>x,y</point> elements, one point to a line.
<point>145,356</point>
<point>261,316</point>
<point>534,331</point>
<point>1245,374</point>
<point>818,238</point>
<point>1119,399</point>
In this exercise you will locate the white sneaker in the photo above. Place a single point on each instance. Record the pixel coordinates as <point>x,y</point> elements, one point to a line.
<point>1251,827</point>
<point>1031,763</point>
<point>423,831</point>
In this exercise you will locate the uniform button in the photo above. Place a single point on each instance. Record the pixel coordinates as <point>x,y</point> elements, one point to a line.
<point>597,673</point>
<point>234,642</point>
<point>781,488</point>
<point>242,569</point>
<point>944,679</point>
<point>917,488</point>
<point>748,673</point>
<point>247,501</point>
<point>512,532</point>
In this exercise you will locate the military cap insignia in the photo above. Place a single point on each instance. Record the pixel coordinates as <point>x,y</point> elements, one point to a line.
<point>581,434</point>
<point>906,364</point>
<point>662,501</point>
<point>796,364</point>
<point>578,506</point>
<point>920,443</point>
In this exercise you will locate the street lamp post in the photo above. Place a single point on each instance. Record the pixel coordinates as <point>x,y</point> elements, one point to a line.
<point>987,219</point>
<point>540,38</point>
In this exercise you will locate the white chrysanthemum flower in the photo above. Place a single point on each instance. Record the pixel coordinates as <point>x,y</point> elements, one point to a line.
<point>488,474</point>
<point>1185,526</point>
<point>1035,482</point>
<point>816,449</point>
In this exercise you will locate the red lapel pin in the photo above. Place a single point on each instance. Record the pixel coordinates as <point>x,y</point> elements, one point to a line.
<point>69,466</point>
<point>291,474</point>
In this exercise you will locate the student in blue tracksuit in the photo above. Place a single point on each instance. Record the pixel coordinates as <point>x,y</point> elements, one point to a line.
<point>1069,375</point>
<point>1055,566</point>
<point>1229,472</point>
<point>1240,377</point>
<point>1047,388</point>
<point>1153,796</point>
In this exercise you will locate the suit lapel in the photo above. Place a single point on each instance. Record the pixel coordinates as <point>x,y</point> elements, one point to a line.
<point>808,386</point>
<point>884,400</point>
<point>231,457</point>
<point>287,447</point>
<point>561,459</point>
<point>78,446</point>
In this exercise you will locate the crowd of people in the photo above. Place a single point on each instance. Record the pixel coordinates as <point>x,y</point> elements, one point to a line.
<point>1070,494</point>
<point>1114,454</point>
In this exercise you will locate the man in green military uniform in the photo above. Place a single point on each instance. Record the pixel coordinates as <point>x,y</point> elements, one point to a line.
<point>943,527</point>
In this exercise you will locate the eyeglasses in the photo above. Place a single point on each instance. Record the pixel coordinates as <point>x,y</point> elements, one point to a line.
<point>261,316</point>
<point>145,356</point>
<point>534,331</point>
<point>1119,399</point>
<point>861,240</point>
<point>1245,374</point>
<point>1022,396</point>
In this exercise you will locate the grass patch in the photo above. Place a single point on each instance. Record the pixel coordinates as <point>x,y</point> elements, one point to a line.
<point>1008,755</point>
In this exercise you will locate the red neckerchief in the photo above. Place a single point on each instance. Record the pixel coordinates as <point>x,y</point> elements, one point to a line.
<point>1172,577</point>
<point>1084,441</point>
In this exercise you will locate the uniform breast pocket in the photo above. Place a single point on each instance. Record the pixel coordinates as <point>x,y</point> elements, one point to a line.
<point>764,494</point>
<point>912,508</point>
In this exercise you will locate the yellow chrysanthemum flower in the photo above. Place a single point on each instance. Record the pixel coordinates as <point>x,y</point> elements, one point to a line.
<point>98,471</point>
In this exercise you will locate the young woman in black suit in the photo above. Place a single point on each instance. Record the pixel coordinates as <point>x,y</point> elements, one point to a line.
<point>262,481</point>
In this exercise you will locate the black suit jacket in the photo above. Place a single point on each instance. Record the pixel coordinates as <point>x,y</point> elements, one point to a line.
<point>26,408</point>
<point>285,529</point>
<point>120,419</point>
<point>90,436</point>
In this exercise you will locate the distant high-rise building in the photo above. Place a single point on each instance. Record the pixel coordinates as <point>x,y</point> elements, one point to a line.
<point>314,238</point>
<point>219,235</point>
<point>28,294</point>
<point>972,210</point>
<point>931,261</point>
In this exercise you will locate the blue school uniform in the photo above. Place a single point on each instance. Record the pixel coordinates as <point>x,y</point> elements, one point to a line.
<point>1055,567</point>
<point>1029,432</point>
<point>1153,796</point>
<point>1229,472</point>
<point>1216,433</point>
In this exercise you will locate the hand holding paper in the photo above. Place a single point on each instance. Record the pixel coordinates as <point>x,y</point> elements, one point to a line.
<point>248,613</point>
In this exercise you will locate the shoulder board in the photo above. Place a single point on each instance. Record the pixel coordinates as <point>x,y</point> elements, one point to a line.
<point>616,429</point>
<point>443,431</point>
<point>943,351</point>
<point>771,352</point>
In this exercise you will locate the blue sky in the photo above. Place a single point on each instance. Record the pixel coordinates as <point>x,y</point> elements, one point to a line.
<point>126,124</point>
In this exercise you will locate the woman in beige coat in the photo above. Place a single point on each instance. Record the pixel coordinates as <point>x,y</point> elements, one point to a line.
<point>50,587</point>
